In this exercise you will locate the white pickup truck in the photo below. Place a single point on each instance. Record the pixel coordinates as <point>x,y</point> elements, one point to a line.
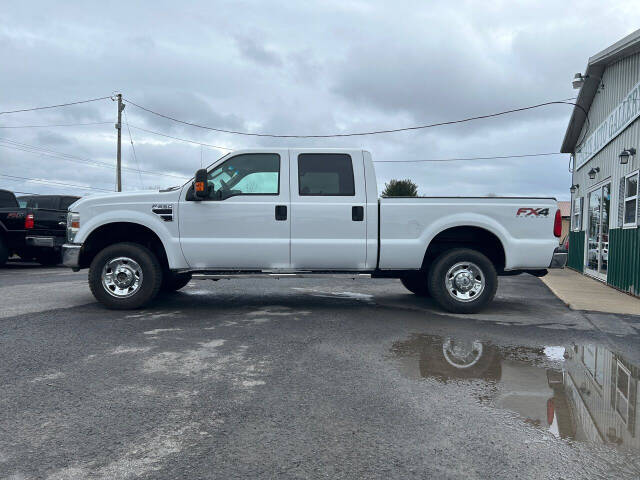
<point>306,212</point>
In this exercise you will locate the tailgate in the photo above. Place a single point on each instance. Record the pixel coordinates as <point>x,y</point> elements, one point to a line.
<point>48,222</point>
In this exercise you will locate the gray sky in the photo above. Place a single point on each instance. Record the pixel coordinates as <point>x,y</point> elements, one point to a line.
<point>302,68</point>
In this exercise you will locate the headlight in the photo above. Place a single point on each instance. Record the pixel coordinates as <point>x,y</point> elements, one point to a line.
<point>73,225</point>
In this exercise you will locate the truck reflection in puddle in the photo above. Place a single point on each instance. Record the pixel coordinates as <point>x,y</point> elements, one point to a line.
<point>579,392</point>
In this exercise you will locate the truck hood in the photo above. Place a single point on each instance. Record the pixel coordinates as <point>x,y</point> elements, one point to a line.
<point>126,198</point>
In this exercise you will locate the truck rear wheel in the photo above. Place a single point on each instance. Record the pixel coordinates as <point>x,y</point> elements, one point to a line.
<point>125,276</point>
<point>463,280</point>
<point>417,283</point>
<point>4,252</point>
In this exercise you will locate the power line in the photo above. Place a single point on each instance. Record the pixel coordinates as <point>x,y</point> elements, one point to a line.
<point>56,106</point>
<point>374,132</point>
<point>133,149</point>
<point>498,157</point>
<point>53,182</point>
<point>56,125</point>
<point>40,150</point>
<point>181,139</point>
<point>24,193</point>
<point>73,158</point>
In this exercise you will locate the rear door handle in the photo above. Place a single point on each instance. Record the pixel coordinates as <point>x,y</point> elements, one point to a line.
<point>281,212</point>
<point>357,214</point>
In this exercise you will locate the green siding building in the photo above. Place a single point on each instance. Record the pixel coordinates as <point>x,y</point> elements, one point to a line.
<point>604,241</point>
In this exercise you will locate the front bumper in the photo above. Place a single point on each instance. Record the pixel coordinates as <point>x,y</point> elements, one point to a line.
<point>71,255</point>
<point>559,259</point>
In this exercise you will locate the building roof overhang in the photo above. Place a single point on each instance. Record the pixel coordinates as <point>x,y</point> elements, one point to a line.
<point>596,65</point>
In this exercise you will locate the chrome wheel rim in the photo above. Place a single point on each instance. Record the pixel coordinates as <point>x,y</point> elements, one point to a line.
<point>122,277</point>
<point>465,281</point>
<point>462,354</point>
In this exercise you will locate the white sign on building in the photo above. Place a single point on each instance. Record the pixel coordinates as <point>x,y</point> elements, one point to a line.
<point>625,113</point>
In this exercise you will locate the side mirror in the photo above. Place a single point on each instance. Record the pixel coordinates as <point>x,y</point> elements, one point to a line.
<point>201,184</point>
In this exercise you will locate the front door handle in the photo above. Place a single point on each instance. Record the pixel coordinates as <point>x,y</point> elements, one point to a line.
<point>281,212</point>
<point>357,214</point>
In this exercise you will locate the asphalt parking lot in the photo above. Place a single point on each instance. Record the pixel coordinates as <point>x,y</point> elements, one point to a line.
<point>307,379</point>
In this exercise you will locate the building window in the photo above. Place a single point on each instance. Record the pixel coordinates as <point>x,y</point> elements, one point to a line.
<point>576,214</point>
<point>593,360</point>
<point>631,200</point>
<point>623,386</point>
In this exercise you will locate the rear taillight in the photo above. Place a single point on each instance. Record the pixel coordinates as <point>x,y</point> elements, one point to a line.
<point>28,221</point>
<point>557,224</point>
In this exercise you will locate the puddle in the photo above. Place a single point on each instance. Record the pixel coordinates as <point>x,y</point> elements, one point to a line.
<point>578,392</point>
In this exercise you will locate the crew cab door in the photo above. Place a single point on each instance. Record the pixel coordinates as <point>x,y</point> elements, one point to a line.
<point>244,224</point>
<point>328,210</point>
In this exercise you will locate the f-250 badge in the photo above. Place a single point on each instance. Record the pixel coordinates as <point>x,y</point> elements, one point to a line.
<point>532,212</point>
<point>163,210</point>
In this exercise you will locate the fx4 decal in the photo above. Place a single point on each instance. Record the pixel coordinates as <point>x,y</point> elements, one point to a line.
<point>532,212</point>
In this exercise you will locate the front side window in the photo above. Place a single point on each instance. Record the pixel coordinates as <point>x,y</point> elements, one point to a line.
<point>631,199</point>
<point>325,174</point>
<point>247,174</point>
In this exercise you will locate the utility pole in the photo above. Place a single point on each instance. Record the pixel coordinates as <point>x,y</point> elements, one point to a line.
<point>119,154</point>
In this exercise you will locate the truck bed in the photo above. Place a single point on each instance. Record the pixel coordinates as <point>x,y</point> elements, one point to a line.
<point>524,226</point>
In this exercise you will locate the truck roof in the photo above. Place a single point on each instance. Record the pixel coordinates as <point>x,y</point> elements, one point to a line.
<point>7,199</point>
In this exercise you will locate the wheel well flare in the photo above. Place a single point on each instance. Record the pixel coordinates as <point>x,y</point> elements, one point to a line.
<point>117,232</point>
<point>476,238</point>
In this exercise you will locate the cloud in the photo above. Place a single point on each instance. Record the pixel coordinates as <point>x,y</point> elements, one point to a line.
<point>308,68</point>
<point>255,50</point>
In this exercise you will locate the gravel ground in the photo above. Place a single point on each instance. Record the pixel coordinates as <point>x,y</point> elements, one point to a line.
<point>315,378</point>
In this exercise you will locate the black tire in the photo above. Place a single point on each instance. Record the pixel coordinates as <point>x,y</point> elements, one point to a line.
<point>4,253</point>
<point>172,282</point>
<point>417,283</point>
<point>148,287</point>
<point>437,280</point>
<point>49,259</point>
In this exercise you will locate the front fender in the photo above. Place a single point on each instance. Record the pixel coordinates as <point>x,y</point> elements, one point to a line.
<point>170,242</point>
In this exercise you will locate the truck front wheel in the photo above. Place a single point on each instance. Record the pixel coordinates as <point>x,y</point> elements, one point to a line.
<point>416,282</point>
<point>125,276</point>
<point>462,280</point>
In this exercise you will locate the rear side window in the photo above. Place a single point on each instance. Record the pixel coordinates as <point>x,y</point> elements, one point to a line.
<point>41,201</point>
<point>329,174</point>
<point>65,202</point>
<point>7,199</point>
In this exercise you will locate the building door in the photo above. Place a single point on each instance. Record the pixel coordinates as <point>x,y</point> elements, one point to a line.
<point>597,238</point>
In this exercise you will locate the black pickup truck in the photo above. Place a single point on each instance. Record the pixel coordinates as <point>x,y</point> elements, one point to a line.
<point>33,227</point>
